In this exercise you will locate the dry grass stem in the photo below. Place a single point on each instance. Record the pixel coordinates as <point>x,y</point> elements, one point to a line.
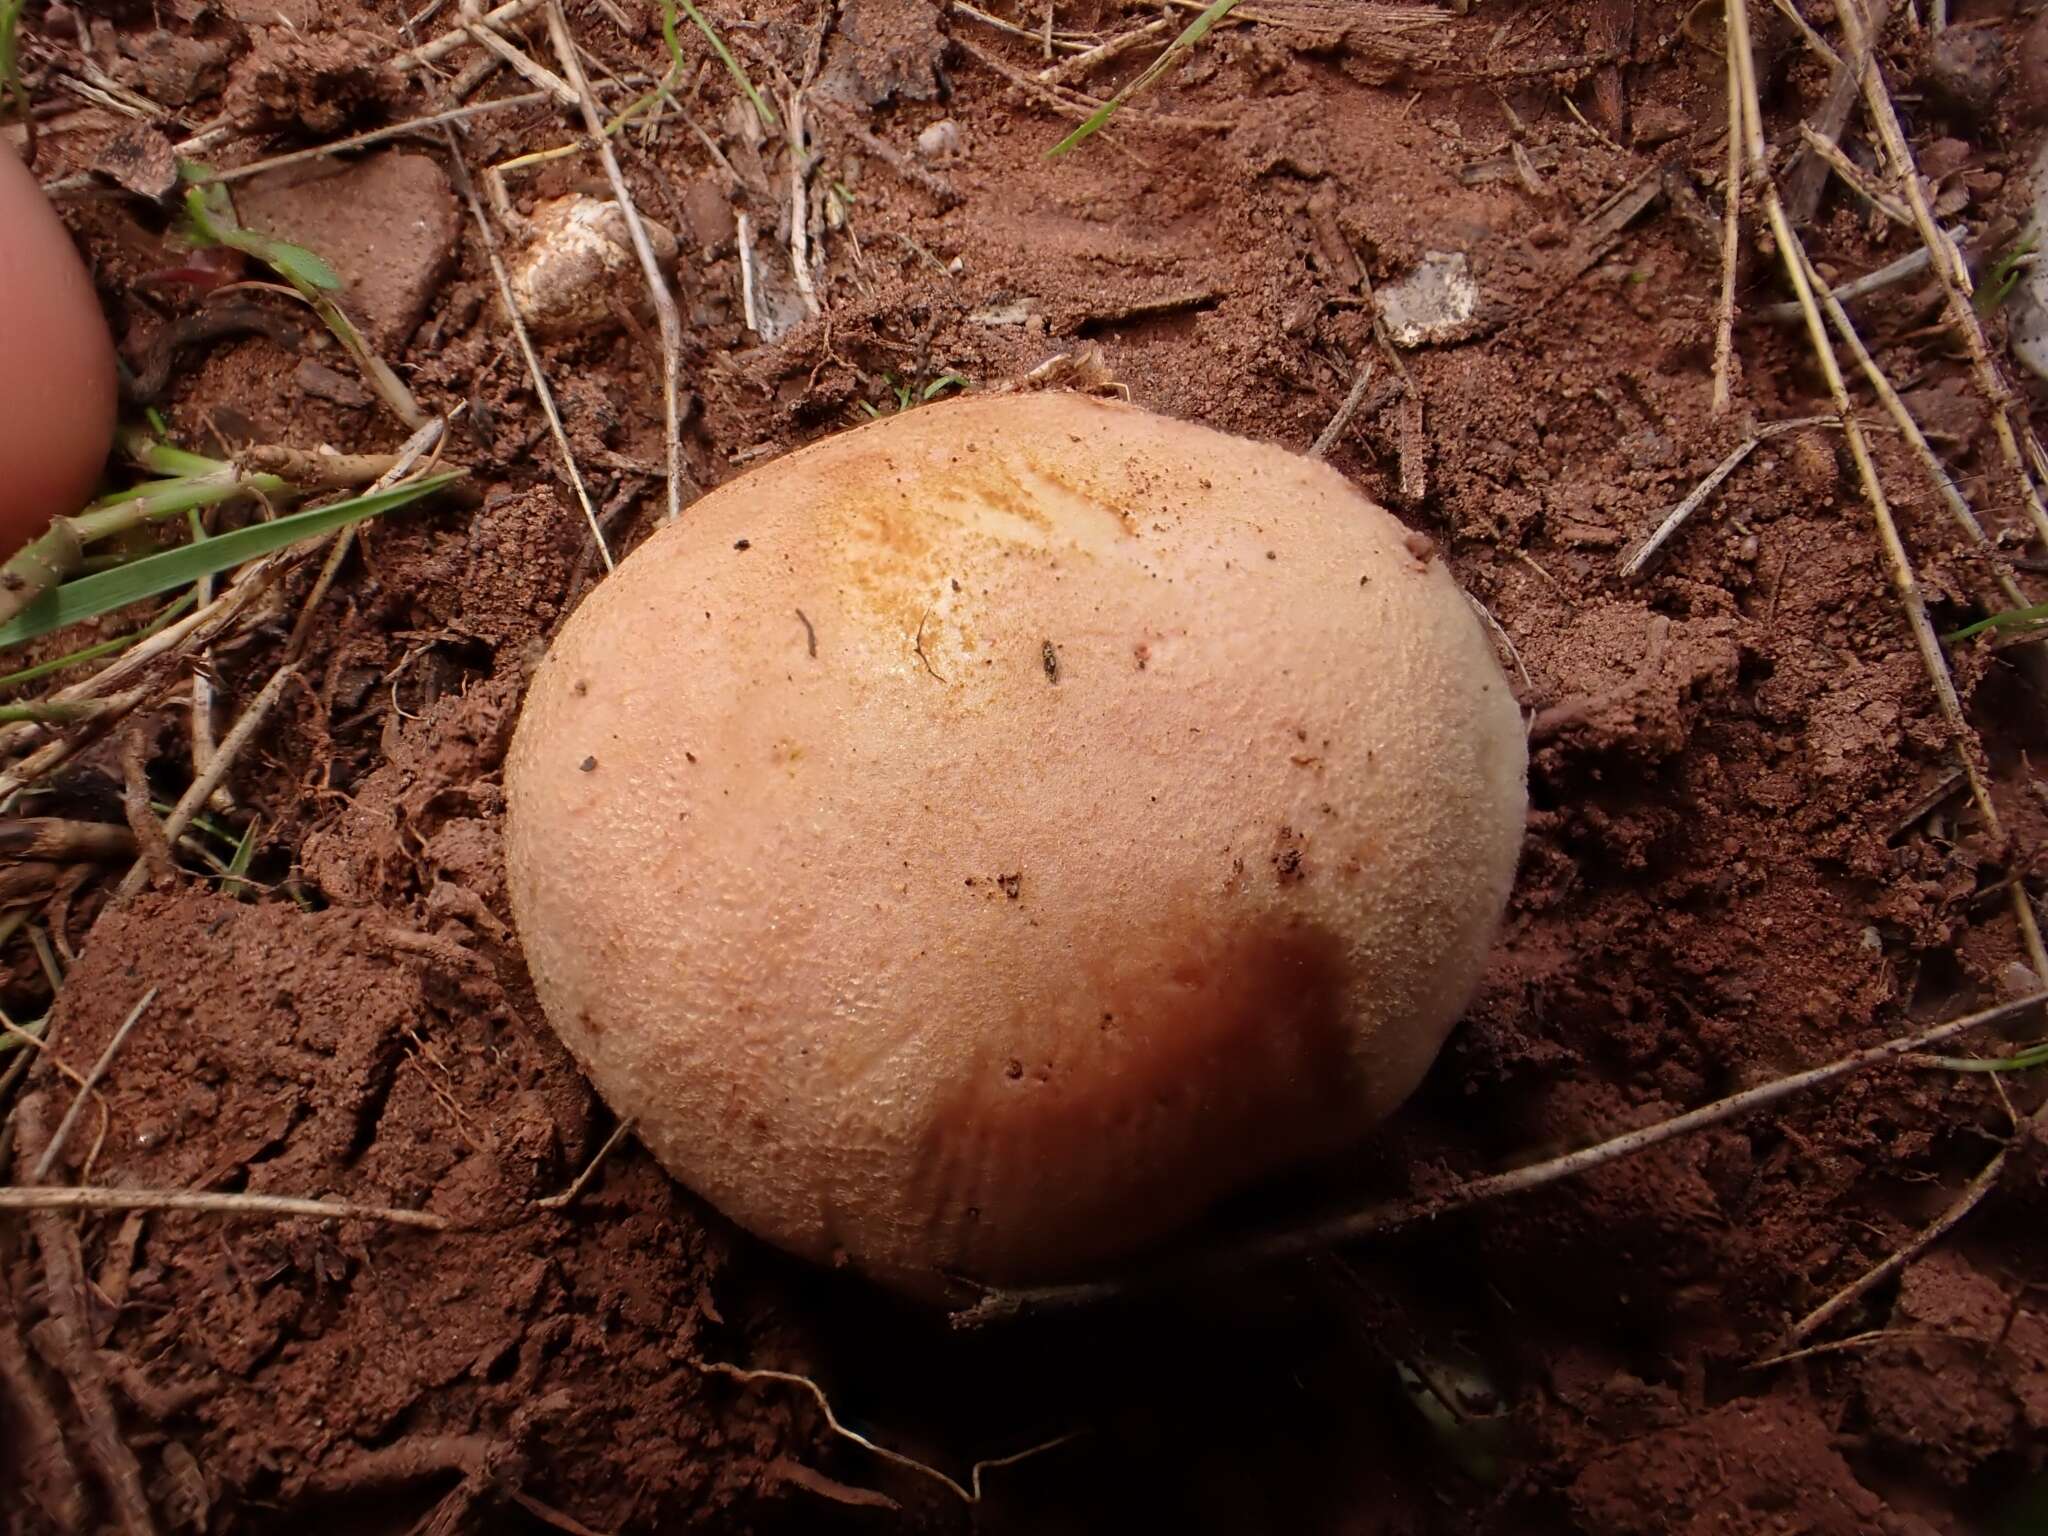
<point>459,168</point>
<point>58,750</point>
<point>395,468</point>
<point>582,1181</point>
<point>1081,106</point>
<point>1244,1251</point>
<point>1938,476</point>
<point>16,1197</point>
<point>1883,277</point>
<point>799,207</point>
<point>196,795</point>
<point>1866,1340</point>
<point>1972,1196</point>
<point>1948,262</point>
<point>1077,66</point>
<point>1731,250</point>
<point>1638,564</point>
<point>1808,177</point>
<point>516,59</point>
<point>997,24</point>
<point>1804,27</point>
<point>745,231</point>
<point>666,317</point>
<point>1854,177</point>
<point>85,1091</point>
<point>970,1493</point>
<point>458,36</point>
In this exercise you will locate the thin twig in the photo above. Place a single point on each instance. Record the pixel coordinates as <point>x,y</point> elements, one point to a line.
<point>459,166</point>
<point>197,793</point>
<point>1853,175</point>
<point>516,58</point>
<point>16,1197</point>
<point>1863,1341</point>
<point>1938,476</point>
<point>1637,565</point>
<point>1797,266</point>
<point>971,1493</point>
<point>1731,251</point>
<point>85,1090</point>
<point>1972,1196</point>
<point>1246,1250</point>
<point>413,450</point>
<point>650,265</point>
<point>1883,277</point>
<point>378,135</point>
<point>1808,177</point>
<point>457,36</point>
<point>1948,263</point>
<point>70,1348</point>
<point>568,1196</point>
<point>1353,398</point>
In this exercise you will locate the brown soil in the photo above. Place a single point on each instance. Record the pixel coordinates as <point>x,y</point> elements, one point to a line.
<point>1717,889</point>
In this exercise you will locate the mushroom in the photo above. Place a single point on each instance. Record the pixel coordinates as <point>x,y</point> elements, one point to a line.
<point>975,843</point>
<point>57,377</point>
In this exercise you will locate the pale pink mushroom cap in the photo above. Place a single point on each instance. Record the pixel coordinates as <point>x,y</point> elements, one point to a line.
<point>975,843</point>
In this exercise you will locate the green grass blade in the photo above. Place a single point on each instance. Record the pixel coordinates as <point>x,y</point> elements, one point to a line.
<point>95,652</point>
<point>225,836</point>
<point>2003,277</point>
<point>1195,32</point>
<point>2012,618</point>
<point>232,884</point>
<point>210,220</point>
<point>92,596</point>
<point>725,56</point>
<point>297,263</point>
<point>2020,1061</point>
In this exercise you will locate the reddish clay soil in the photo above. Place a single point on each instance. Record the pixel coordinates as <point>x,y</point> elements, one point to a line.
<point>1725,879</point>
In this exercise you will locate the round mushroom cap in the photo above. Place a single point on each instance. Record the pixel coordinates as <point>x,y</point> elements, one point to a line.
<point>975,843</point>
<point>58,384</point>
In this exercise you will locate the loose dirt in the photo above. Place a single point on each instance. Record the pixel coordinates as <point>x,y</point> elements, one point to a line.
<point>1720,885</point>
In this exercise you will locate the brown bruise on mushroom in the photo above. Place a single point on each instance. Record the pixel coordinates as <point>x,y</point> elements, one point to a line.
<point>904,958</point>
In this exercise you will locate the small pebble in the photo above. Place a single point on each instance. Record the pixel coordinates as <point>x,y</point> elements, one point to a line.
<point>939,140</point>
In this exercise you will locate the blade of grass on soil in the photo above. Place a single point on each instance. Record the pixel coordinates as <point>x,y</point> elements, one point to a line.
<point>59,554</point>
<point>210,220</point>
<point>103,648</point>
<point>91,596</point>
<point>2013,618</point>
<point>1196,30</point>
<point>12,88</point>
<point>725,56</point>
